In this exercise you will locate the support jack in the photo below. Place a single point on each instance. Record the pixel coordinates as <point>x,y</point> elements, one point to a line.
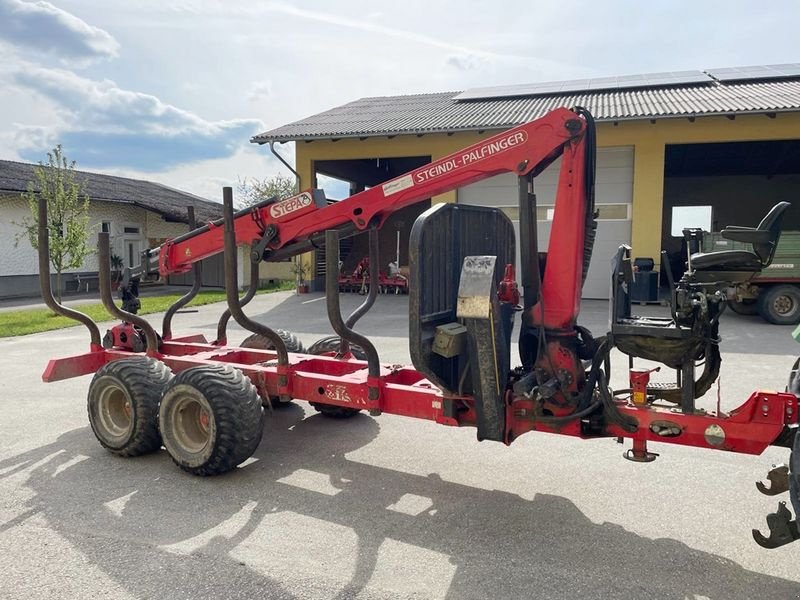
<point>639,452</point>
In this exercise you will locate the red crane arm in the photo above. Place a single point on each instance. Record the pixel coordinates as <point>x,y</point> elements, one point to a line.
<point>528,147</point>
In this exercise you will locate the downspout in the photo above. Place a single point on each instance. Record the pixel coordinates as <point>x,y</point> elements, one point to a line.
<point>310,262</point>
<point>288,166</point>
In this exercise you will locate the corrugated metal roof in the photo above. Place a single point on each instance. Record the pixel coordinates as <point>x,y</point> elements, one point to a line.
<point>161,199</point>
<point>438,113</point>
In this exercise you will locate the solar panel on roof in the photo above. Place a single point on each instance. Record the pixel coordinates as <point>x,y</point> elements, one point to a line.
<point>584,85</point>
<point>756,72</point>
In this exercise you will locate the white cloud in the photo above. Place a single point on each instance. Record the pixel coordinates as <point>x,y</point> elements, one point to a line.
<point>463,62</point>
<point>47,29</point>
<point>104,125</point>
<point>260,90</point>
<point>206,178</point>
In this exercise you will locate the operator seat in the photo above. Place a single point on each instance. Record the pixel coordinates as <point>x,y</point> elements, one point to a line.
<point>763,238</point>
<point>692,332</point>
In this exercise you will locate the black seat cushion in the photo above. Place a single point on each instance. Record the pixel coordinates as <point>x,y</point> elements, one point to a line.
<point>726,260</point>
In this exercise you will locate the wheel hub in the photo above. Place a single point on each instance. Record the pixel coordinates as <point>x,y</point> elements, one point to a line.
<point>784,305</point>
<point>115,411</point>
<point>192,423</point>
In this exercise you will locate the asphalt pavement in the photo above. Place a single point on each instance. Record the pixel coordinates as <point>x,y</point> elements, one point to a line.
<point>385,507</point>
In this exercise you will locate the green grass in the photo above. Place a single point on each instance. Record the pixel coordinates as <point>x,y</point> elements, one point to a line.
<point>36,320</point>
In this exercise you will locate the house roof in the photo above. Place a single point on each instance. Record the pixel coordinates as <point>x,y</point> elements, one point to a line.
<point>501,108</point>
<point>166,201</point>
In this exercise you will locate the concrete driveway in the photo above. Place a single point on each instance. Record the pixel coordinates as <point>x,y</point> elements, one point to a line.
<point>379,508</point>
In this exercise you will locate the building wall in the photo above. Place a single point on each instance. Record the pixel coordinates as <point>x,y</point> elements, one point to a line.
<point>648,139</point>
<point>19,263</point>
<point>157,228</point>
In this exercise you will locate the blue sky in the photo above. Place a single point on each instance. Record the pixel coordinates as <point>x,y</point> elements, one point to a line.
<point>172,91</point>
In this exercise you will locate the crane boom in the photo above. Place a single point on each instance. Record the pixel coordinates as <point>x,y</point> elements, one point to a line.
<point>288,226</point>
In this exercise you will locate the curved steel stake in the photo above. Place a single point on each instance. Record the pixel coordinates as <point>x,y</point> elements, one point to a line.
<point>44,281</point>
<point>232,295</point>
<point>104,259</point>
<point>222,324</point>
<point>374,273</point>
<point>197,282</point>
<point>338,323</point>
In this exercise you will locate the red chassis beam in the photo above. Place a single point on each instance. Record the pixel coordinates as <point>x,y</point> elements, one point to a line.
<point>748,429</point>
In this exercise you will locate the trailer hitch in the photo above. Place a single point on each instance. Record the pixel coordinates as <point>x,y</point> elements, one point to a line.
<point>778,477</point>
<point>782,530</point>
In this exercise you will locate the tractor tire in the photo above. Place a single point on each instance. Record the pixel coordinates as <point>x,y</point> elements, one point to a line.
<point>123,404</point>
<point>210,419</point>
<point>780,304</point>
<point>260,342</point>
<point>329,345</point>
<point>746,308</point>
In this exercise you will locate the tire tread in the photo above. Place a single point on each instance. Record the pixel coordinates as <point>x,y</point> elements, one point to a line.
<point>261,342</point>
<point>237,415</point>
<point>145,379</point>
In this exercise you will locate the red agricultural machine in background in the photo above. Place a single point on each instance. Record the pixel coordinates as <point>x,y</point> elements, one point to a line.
<point>203,400</point>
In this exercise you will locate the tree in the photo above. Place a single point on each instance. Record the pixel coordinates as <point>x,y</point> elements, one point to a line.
<point>67,213</point>
<point>252,191</point>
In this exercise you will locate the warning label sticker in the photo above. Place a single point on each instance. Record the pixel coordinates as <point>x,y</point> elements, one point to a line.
<point>396,185</point>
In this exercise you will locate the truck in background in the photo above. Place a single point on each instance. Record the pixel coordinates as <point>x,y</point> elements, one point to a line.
<point>775,293</point>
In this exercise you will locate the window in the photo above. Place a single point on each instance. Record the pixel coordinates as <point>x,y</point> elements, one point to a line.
<point>128,229</point>
<point>105,226</point>
<point>689,217</point>
<point>613,212</point>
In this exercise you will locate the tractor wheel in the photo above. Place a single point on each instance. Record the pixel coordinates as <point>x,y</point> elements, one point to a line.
<point>260,342</point>
<point>123,404</point>
<point>330,345</point>
<point>748,307</point>
<point>210,419</point>
<point>780,304</point>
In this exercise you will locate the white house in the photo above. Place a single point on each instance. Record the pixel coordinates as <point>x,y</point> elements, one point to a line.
<point>137,214</point>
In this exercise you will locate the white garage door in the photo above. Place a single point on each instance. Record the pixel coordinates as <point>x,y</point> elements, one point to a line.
<point>613,195</point>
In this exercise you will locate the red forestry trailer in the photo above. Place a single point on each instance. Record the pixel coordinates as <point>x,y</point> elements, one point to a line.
<point>203,401</point>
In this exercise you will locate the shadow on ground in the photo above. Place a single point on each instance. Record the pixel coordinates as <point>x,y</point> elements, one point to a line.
<point>497,545</point>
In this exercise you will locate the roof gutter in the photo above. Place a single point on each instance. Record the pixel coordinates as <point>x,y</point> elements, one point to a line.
<point>288,166</point>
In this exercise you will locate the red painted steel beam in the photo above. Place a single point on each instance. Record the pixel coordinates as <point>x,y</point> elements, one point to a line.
<point>748,429</point>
